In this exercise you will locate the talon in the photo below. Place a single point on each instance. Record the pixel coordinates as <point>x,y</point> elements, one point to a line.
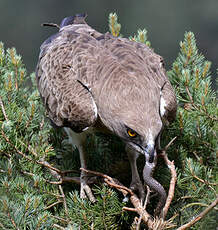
<point>85,190</point>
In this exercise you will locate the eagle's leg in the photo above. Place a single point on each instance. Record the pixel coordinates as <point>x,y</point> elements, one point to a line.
<point>78,139</point>
<point>136,184</point>
<point>84,188</point>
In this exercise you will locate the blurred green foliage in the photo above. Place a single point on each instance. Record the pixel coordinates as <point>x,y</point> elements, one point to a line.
<point>166,22</point>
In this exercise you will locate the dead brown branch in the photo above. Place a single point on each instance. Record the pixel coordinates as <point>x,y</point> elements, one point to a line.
<point>144,206</point>
<point>61,181</point>
<point>171,166</point>
<point>157,223</point>
<point>138,206</point>
<point>200,216</point>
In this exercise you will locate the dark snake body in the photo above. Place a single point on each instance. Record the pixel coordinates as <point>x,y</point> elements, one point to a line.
<point>156,186</point>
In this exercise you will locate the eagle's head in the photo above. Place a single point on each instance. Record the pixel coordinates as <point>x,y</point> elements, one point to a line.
<point>131,111</point>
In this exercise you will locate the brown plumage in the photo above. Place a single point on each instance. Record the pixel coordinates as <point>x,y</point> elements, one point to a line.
<point>91,80</point>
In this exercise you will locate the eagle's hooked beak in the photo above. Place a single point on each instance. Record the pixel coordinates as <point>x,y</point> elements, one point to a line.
<point>150,153</point>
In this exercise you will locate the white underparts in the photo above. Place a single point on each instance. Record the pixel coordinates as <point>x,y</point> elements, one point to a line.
<point>76,139</point>
<point>150,139</point>
<point>162,106</point>
<point>95,108</point>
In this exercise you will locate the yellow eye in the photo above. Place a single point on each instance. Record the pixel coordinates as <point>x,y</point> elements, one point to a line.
<point>131,133</point>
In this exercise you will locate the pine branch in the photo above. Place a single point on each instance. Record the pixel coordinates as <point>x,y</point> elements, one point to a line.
<point>138,206</point>
<point>198,107</point>
<point>12,221</point>
<point>199,179</point>
<point>64,201</point>
<point>114,26</point>
<point>200,216</point>
<point>54,171</point>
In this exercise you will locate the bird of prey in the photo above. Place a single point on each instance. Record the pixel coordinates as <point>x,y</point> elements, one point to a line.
<point>90,82</point>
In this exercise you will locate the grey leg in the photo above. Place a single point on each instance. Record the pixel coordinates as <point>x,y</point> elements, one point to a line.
<point>136,184</point>
<point>79,141</point>
<point>84,188</point>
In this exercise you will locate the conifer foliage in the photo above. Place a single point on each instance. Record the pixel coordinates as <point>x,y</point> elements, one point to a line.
<point>39,173</point>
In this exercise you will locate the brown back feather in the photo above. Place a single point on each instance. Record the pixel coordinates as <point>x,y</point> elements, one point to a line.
<point>118,74</point>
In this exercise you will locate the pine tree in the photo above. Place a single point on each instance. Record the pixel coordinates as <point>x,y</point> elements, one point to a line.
<point>39,174</point>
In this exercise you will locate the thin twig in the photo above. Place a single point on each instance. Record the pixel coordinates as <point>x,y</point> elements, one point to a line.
<point>63,179</point>
<point>70,171</point>
<point>169,144</point>
<point>19,152</point>
<point>144,206</point>
<point>171,166</point>
<point>52,205</point>
<point>129,209</point>
<point>6,154</point>
<point>200,216</point>
<point>60,219</point>
<point>28,158</point>
<point>47,165</point>
<point>133,198</point>
<point>58,226</point>
<point>199,179</point>
<point>29,148</point>
<point>12,221</point>
<point>54,171</point>
<point>171,191</point>
<point>197,107</point>
<point>3,109</point>
<point>64,200</point>
<point>192,204</point>
<point>119,187</point>
<point>110,181</point>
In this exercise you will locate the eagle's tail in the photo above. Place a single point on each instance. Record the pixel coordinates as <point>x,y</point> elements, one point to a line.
<point>77,19</point>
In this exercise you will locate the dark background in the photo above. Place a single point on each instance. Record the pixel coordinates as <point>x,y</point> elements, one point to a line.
<point>165,20</point>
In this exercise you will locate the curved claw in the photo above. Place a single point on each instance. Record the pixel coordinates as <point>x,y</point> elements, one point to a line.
<point>85,190</point>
